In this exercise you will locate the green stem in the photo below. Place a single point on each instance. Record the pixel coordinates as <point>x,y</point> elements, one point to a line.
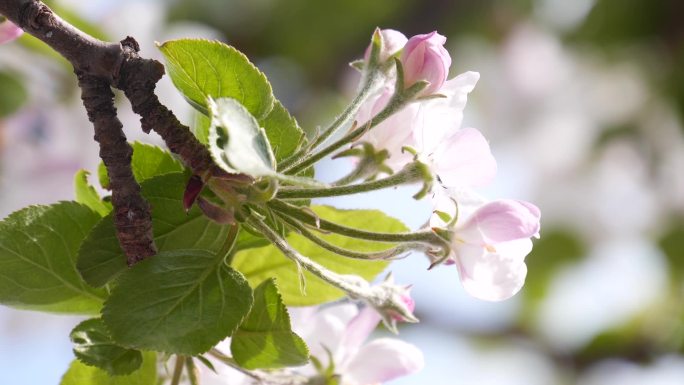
<point>178,370</point>
<point>311,159</point>
<point>370,85</point>
<point>409,174</point>
<point>423,236</point>
<point>396,103</point>
<point>193,373</point>
<point>352,285</point>
<point>378,255</point>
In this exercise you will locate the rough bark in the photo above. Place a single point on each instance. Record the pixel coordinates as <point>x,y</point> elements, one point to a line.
<point>99,66</point>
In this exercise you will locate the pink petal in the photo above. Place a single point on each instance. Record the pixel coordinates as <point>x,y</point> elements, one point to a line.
<point>501,221</point>
<point>424,58</point>
<point>493,275</point>
<point>464,160</point>
<point>359,328</point>
<point>382,360</point>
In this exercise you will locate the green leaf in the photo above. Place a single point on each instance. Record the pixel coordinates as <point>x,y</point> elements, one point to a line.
<point>38,249</point>
<point>265,339</point>
<point>148,161</point>
<point>86,194</point>
<point>81,374</point>
<point>283,131</point>
<point>248,240</point>
<point>262,263</point>
<point>236,141</point>
<point>200,127</point>
<point>182,301</point>
<point>101,258</point>
<point>93,346</point>
<point>201,69</point>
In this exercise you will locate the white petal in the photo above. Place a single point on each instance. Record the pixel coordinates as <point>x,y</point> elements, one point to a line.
<point>439,117</point>
<point>382,360</point>
<point>464,160</point>
<point>493,275</point>
<point>326,329</point>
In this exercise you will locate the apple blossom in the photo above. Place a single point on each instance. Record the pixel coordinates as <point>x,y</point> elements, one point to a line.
<point>425,58</point>
<point>336,336</point>
<point>342,330</point>
<point>9,31</point>
<point>490,244</point>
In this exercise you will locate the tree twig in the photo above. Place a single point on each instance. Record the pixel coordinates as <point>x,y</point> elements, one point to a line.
<point>100,65</point>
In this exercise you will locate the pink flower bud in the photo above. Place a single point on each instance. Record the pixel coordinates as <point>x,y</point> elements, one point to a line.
<point>392,42</point>
<point>9,32</point>
<point>425,58</point>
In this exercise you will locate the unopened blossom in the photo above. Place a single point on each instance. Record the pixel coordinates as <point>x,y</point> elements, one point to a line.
<point>489,245</point>
<point>425,58</point>
<point>392,302</point>
<point>9,31</point>
<point>392,42</point>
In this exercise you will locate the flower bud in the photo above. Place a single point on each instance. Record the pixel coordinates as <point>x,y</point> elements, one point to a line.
<point>392,42</point>
<point>425,58</point>
<point>392,302</point>
<point>9,31</point>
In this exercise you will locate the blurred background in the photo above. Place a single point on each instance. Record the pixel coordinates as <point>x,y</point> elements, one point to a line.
<point>583,104</point>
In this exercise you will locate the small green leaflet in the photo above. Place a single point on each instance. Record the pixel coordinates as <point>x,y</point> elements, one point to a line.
<point>239,145</point>
<point>182,301</point>
<point>262,263</point>
<point>81,374</point>
<point>265,339</point>
<point>201,69</point>
<point>93,346</point>
<point>38,249</point>
<point>86,194</point>
<point>101,258</point>
<point>148,161</point>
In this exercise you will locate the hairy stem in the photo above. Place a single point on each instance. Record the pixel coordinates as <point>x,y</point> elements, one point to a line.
<point>377,255</point>
<point>409,174</point>
<point>424,236</point>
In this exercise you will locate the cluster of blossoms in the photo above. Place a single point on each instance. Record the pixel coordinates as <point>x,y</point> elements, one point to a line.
<point>337,336</point>
<point>488,239</point>
<point>410,128</point>
<point>407,121</point>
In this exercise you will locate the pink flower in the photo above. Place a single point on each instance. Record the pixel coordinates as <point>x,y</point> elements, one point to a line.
<point>9,32</point>
<point>392,42</point>
<point>489,247</point>
<point>343,330</point>
<point>425,58</point>
<point>432,127</point>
